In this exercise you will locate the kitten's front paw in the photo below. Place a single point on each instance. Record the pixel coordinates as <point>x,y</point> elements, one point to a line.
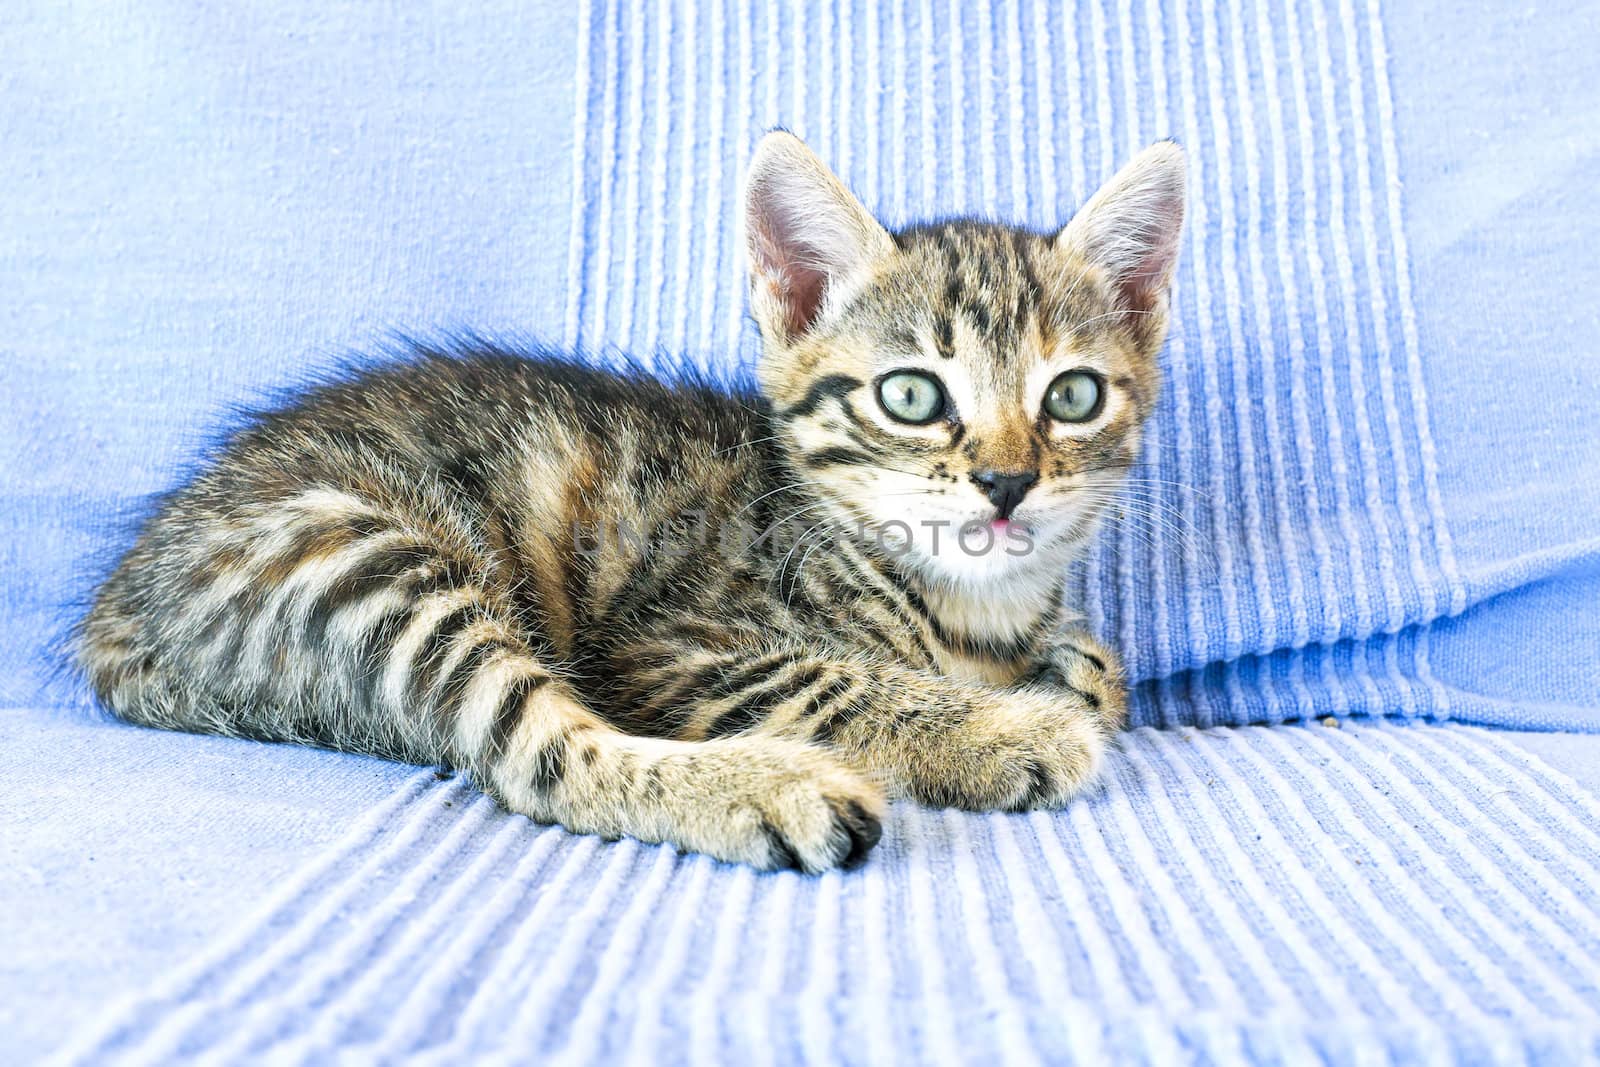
<point>776,804</point>
<point>1090,672</point>
<point>1031,751</point>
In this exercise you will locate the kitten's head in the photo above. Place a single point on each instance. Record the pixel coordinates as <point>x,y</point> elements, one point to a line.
<point>963,374</point>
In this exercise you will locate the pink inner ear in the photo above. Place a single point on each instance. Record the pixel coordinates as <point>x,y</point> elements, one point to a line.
<point>799,289</point>
<point>1141,287</point>
<point>787,264</point>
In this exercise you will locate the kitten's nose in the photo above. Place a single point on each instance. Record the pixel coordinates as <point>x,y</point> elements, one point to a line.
<point>1005,491</point>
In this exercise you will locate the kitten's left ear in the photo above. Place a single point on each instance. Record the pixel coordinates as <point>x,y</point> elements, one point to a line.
<point>1132,226</point>
<point>805,233</point>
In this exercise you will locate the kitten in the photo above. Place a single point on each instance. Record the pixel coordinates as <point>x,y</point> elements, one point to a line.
<point>500,562</point>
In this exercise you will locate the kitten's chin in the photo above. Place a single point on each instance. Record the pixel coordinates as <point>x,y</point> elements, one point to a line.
<point>981,571</point>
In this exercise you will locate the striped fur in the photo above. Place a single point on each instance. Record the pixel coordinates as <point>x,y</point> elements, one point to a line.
<point>503,561</point>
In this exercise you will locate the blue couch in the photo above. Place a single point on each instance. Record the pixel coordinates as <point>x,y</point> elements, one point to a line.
<point>1356,580</point>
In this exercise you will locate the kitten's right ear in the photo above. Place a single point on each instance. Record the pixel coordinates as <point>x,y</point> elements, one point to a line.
<point>806,236</point>
<point>1133,226</point>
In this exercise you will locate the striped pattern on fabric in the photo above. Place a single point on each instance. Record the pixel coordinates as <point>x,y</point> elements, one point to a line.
<point>1380,894</point>
<point>1289,500</point>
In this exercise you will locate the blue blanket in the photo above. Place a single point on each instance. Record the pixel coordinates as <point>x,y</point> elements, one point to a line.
<point>1231,895</point>
<point>1371,490</point>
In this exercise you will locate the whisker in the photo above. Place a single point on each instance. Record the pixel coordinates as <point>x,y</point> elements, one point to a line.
<point>1112,315</point>
<point>1152,523</point>
<point>747,444</point>
<point>1142,479</point>
<point>814,505</point>
<point>773,492</point>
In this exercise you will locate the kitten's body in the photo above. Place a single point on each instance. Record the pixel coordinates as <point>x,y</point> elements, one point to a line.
<point>522,567</point>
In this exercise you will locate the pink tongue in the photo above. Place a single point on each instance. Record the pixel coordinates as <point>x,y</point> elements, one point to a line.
<point>1001,524</point>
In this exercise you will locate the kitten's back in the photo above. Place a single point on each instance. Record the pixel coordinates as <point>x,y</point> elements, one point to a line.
<point>490,456</point>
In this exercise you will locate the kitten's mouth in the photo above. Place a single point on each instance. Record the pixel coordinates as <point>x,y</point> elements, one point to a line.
<point>1003,526</point>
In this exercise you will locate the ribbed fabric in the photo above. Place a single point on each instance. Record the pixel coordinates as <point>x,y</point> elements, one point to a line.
<point>1287,894</point>
<point>1289,497</point>
<point>214,199</point>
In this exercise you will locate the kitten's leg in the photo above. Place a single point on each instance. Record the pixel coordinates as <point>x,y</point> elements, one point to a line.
<point>764,801</point>
<point>940,740</point>
<point>533,743</point>
<point>345,628</point>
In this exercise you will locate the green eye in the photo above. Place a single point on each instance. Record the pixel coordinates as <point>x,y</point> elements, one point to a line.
<point>1073,397</point>
<point>911,396</point>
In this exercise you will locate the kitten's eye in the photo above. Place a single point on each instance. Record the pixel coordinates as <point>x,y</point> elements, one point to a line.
<point>911,396</point>
<point>1073,397</point>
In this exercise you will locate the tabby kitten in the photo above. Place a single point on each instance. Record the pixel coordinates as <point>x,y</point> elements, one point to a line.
<point>499,561</point>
